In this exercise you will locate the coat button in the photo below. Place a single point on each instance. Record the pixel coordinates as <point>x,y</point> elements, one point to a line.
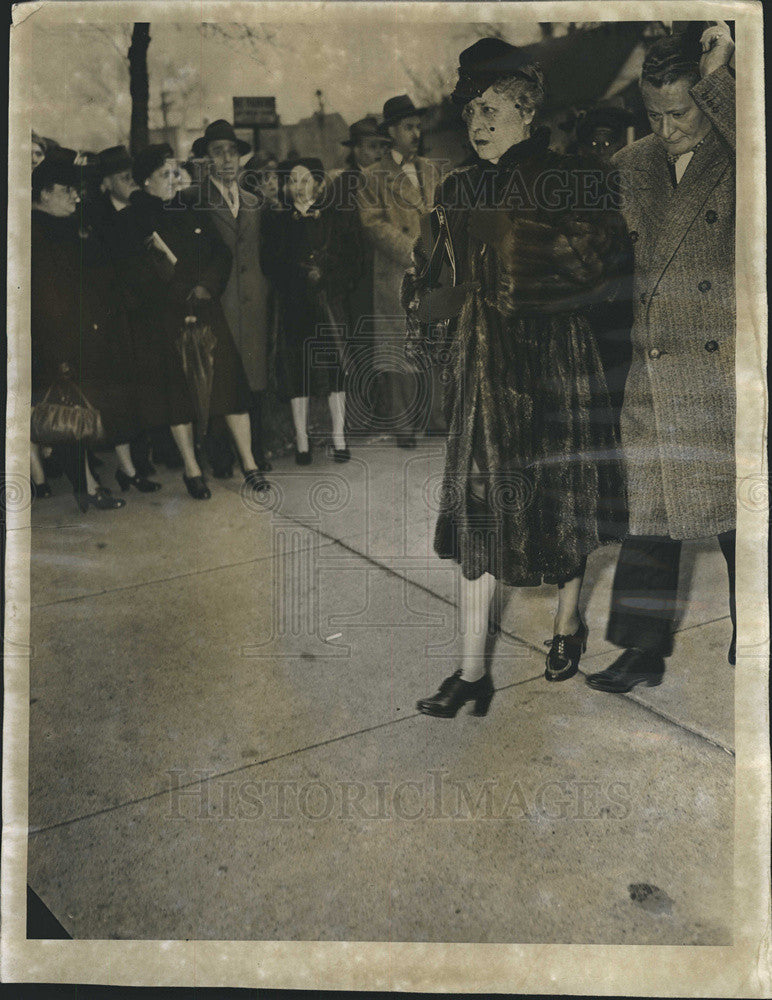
<point>643,298</point>
<point>633,236</point>
<point>704,286</point>
<point>711,346</point>
<point>654,353</point>
<point>710,215</point>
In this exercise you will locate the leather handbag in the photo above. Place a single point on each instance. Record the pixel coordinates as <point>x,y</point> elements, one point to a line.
<point>64,415</point>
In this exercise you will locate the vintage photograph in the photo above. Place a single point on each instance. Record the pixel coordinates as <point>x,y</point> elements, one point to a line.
<point>381,427</point>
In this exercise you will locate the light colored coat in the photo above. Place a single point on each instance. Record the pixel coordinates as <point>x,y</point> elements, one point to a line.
<point>678,415</point>
<point>391,207</point>
<point>247,294</point>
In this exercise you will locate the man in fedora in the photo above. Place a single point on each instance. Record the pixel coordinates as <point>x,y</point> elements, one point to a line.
<point>397,192</point>
<point>236,213</point>
<point>366,144</point>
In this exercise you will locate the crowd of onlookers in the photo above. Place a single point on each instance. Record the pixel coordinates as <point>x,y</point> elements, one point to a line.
<point>173,298</point>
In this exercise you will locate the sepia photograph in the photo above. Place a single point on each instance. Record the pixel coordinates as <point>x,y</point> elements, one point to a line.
<point>386,498</point>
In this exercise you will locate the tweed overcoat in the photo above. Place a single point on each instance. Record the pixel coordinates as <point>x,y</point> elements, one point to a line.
<point>391,207</point>
<point>678,414</point>
<point>245,300</point>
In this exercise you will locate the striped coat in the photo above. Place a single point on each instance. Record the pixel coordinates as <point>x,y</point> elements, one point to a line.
<point>678,415</point>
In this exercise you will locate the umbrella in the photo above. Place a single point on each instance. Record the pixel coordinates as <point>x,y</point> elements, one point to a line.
<point>196,344</point>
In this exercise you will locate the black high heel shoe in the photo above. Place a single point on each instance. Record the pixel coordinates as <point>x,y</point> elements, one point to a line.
<point>102,500</point>
<point>126,481</point>
<point>256,481</point>
<point>563,658</point>
<point>303,457</point>
<point>455,692</point>
<point>40,491</point>
<point>196,487</point>
<point>341,454</point>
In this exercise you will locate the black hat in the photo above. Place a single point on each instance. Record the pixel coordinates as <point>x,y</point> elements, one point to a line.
<point>219,130</point>
<point>608,116</point>
<point>55,170</point>
<point>312,164</point>
<point>485,63</point>
<point>149,160</point>
<point>113,160</point>
<point>397,108</point>
<point>365,128</point>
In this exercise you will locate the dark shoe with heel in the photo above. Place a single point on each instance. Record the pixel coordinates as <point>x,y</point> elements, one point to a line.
<point>102,500</point>
<point>196,487</point>
<point>634,666</point>
<point>140,483</point>
<point>254,479</point>
<point>565,653</point>
<point>303,457</point>
<point>455,692</point>
<point>341,454</point>
<point>40,491</point>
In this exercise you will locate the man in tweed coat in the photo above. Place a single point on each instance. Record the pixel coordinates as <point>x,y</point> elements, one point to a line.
<point>396,193</point>
<point>678,415</point>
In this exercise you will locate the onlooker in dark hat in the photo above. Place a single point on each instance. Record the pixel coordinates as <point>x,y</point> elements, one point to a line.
<point>313,267</point>
<point>366,145</point>
<point>261,176</point>
<point>77,321</point>
<point>397,191</point>
<point>177,266</point>
<point>602,131</point>
<point>235,214</point>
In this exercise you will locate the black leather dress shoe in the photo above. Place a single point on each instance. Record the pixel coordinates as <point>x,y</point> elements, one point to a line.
<point>455,692</point>
<point>634,666</point>
<point>303,457</point>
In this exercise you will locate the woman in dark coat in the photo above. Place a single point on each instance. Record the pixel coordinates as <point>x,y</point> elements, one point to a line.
<point>532,482</point>
<point>175,266</point>
<point>77,321</point>
<point>304,250</point>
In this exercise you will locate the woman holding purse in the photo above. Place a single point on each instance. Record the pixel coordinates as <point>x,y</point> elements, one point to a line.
<point>532,482</point>
<point>175,268</point>
<point>82,367</point>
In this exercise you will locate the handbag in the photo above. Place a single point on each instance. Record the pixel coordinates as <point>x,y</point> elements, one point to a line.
<point>64,415</point>
<point>197,345</point>
<point>429,301</point>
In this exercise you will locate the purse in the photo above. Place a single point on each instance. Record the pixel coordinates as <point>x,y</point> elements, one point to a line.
<point>64,415</point>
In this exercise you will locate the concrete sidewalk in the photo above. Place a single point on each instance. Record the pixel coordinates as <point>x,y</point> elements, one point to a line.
<point>224,740</point>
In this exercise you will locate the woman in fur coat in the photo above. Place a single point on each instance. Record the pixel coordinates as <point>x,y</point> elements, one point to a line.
<point>532,480</point>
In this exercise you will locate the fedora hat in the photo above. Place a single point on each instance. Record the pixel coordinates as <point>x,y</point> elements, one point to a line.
<point>485,63</point>
<point>219,130</point>
<point>113,160</point>
<point>397,108</point>
<point>365,128</point>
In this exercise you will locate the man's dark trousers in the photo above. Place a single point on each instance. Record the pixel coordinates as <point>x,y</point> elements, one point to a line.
<point>643,599</point>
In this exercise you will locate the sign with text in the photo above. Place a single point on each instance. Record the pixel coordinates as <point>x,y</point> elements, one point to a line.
<point>252,111</point>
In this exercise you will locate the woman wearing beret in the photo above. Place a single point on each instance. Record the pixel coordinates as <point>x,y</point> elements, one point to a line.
<point>304,250</point>
<point>175,266</point>
<point>77,321</point>
<point>532,483</point>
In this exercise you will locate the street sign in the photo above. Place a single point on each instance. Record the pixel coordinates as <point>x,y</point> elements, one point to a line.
<point>254,112</point>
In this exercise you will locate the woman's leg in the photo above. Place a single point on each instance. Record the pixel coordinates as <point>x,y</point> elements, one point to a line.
<point>241,432</point>
<point>91,484</point>
<point>123,454</point>
<point>37,473</point>
<point>567,619</point>
<point>299,406</point>
<point>337,401</point>
<point>476,598</point>
<point>183,438</point>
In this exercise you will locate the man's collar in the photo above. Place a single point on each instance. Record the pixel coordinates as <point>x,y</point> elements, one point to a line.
<point>399,159</point>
